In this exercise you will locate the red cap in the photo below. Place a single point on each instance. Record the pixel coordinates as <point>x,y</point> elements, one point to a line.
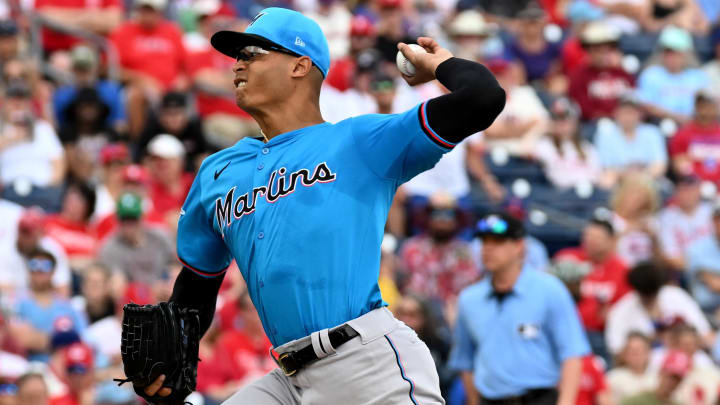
<point>134,174</point>
<point>390,3</point>
<point>32,219</point>
<point>361,26</point>
<point>114,152</point>
<point>78,357</point>
<point>225,10</point>
<point>676,363</point>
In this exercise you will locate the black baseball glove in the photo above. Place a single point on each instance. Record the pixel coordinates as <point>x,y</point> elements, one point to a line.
<point>160,339</point>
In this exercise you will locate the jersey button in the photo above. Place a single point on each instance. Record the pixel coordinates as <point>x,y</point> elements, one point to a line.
<point>261,235</point>
<point>260,166</point>
<point>266,151</point>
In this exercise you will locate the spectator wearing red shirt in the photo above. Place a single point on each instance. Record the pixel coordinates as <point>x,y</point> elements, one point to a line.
<point>71,227</point>
<point>695,148</point>
<point>593,387</point>
<point>210,72</point>
<point>437,263</point>
<point>598,84</point>
<point>604,285</point>
<point>97,16</point>
<point>152,59</point>
<point>169,183</point>
<point>240,356</point>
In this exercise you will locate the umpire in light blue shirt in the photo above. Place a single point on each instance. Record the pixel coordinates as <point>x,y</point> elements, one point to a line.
<point>518,337</point>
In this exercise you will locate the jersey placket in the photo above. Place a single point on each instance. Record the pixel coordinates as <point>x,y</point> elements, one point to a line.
<point>263,167</point>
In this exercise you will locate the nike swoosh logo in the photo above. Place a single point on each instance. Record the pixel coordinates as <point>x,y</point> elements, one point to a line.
<point>218,173</point>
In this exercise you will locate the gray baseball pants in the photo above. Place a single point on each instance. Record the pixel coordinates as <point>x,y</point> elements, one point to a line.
<point>387,364</point>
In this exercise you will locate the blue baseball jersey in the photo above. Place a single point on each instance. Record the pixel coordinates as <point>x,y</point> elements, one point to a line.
<point>304,214</point>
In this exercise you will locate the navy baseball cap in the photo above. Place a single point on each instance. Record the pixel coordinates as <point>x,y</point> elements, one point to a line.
<point>278,27</point>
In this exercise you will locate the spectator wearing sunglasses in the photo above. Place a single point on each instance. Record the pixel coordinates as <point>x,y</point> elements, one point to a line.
<point>517,336</point>
<point>37,312</point>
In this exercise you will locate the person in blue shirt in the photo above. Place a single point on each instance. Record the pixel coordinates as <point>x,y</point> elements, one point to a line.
<point>668,89</point>
<point>85,65</point>
<point>302,210</point>
<point>517,338</point>
<point>39,310</point>
<point>627,143</point>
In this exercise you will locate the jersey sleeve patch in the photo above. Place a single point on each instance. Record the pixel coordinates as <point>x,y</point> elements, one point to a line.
<point>437,139</point>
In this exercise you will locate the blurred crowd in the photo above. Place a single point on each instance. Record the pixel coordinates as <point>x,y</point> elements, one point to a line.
<point>608,149</point>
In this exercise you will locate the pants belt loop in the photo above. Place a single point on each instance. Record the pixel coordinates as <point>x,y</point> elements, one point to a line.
<point>325,341</point>
<point>317,344</point>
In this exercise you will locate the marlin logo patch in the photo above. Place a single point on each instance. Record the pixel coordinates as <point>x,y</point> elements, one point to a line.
<point>260,14</point>
<point>279,185</point>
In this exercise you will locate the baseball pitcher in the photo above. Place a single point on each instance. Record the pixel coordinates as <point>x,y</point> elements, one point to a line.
<point>302,211</point>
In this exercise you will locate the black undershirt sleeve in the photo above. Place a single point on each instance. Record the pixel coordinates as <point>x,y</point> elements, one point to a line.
<point>476,99</point>
<point>197,292</point>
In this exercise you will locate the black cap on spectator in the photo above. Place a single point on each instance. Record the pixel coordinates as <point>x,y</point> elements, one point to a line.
<point>703,96</point>
<point>603,223</point>
<point>563,107</point>
<point>8,28</point>
<point>174,99</point>
<point>647,278</point>
<point>500,225</point>
<point>532,12</point>
<point>18,89</point>
<point>367,60</point>
<point>382,81</point>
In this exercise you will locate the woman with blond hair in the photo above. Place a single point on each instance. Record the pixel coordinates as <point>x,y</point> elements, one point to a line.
<point>634,203</point>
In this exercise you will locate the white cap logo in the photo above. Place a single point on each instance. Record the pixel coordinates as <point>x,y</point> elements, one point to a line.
<point>299,42</point>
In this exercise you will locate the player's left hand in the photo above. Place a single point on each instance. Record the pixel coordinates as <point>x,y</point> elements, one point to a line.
<point>425,63</point>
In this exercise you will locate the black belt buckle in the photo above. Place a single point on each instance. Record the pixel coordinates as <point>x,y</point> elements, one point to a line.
<point>287,364</point>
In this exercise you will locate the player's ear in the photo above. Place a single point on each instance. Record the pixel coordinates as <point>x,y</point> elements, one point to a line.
<point>302,67</point>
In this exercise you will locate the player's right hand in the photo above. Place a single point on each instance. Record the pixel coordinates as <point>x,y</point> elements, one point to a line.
<point>425,63</point>
<point>157,388</point>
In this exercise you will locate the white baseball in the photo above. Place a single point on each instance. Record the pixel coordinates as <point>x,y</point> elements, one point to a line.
<point>407,68</point>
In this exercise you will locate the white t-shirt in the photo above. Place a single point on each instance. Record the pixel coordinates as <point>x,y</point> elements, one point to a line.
<point>624,383</point>
<point>569,169</point>
<point>13,270</point>
<point>104,202</point>
<point>449,174</point>
<point>103,336</point>
<point>633,246</point>
<point>629,315</point>
<point>335,25</point>
<point>522,106</point>
<point>32,160</point>
<point>677,229</point>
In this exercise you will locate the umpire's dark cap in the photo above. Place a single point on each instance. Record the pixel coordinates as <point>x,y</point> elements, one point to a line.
<point>500,225</point>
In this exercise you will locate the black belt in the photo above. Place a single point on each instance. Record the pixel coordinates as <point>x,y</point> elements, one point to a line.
<point>292,362</point>
<point>524,399</point>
